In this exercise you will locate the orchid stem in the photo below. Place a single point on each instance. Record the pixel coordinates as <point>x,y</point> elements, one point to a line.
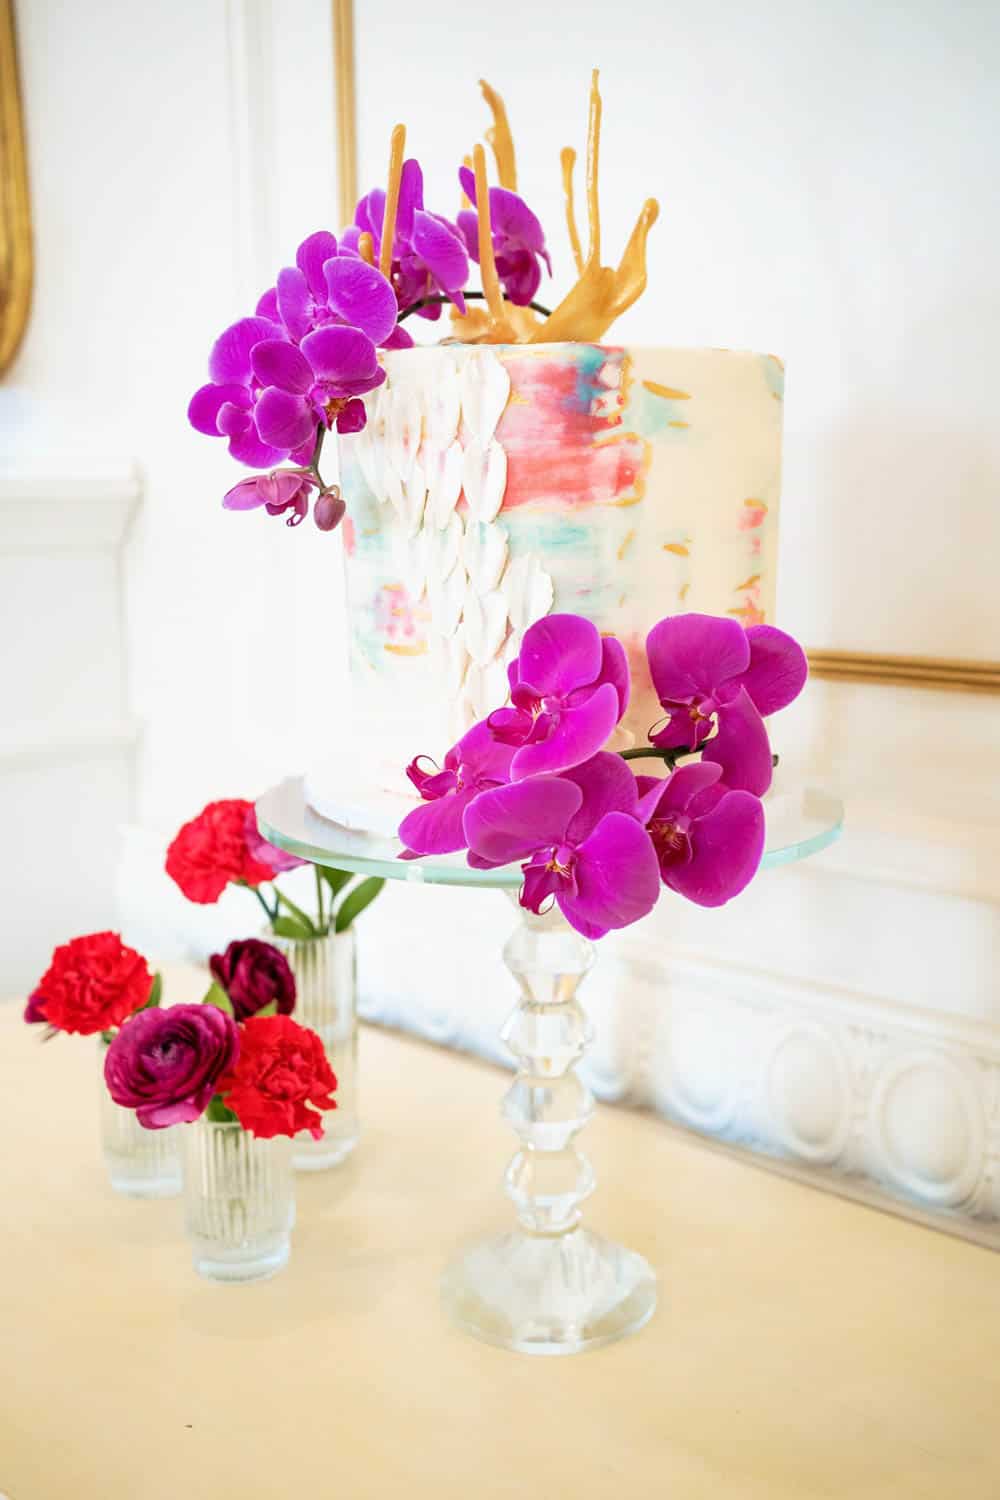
<point>438,300</point>
<point>319,902</point>
<point>650,752</point>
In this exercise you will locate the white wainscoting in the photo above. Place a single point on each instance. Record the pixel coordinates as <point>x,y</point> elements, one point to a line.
<point>67,740</point>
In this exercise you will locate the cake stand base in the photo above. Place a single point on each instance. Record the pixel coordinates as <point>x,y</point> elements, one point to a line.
<point>549,1294</point>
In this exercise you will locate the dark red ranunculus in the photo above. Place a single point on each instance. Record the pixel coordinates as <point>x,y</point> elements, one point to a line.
<point>91,984</point>
<point>165,1064</point>
<point>254,974</point>
<point>281,1071</point>
<point>213,850</point>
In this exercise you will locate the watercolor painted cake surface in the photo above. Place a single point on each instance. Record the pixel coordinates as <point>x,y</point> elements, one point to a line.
<point>493,485</point>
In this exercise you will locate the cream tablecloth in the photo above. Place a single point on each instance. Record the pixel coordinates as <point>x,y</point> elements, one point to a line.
<point>804,1346</point>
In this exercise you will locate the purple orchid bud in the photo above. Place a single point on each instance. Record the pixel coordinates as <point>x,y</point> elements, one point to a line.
<point>708,838</point>
<point>329,510</point>
<point>569,688</point>
<point>709,673</point>
<point>582,840</point>
<point>518,239</point>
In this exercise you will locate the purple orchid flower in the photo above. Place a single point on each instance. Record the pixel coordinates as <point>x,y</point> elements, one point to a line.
<point>518,239</point>
<point>474,765</point>
<point>281,490</point>
<point>708,838</point>
<point>584,843</point>
<point>569,688</point>
<point>320,381</point>
<point>428,252</point>
<point>708,670</point>
<point>325,286</point>
<point>226,406</point>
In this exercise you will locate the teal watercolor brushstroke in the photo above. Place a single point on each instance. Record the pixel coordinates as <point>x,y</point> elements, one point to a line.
<point>590,358</point>
<point>774,376</point>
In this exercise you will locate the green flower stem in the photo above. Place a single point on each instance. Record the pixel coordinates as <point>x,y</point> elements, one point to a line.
<point>257,892</point>
<point>649,752</point>
<point>320,918</point>
<point>296,911</point>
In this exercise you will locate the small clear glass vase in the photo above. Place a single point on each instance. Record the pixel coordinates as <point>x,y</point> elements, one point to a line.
<point>239,1203</point>
<point>141,1163</point>
<point>326,1000</point>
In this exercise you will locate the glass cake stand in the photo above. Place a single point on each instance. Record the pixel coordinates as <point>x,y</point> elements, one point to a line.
<point>549,1286</point>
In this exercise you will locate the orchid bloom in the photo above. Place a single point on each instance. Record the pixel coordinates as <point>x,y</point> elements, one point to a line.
<point>428,252</point>
<point>328,286</point>
<point>569,688</point>
<point>226,406</point>
<point>706,671</point>
<point>518,239</point>
<point>318,382</point>
<point>708,838</point>
<point>281,490</point>
<point>581,838</point>
<point>475,764</point>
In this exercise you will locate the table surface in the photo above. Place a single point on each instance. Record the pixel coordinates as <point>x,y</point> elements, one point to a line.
<point>804,1346</point>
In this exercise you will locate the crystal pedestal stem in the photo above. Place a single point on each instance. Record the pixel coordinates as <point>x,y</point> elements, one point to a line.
<point>549,1286</point>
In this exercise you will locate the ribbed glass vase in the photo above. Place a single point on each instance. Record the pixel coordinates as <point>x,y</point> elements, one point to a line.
<point>239,1202</point>
<point>326,1000</point>
<point>141,1163</point>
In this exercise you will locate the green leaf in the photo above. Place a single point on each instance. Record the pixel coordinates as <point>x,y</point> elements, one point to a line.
<point>155,993</point>
<point>291,927</point>
<point>296,911</point>
<point>271,1009</point>
<point>217,996</point>
<point>355,901</point>
<point>219,1113</point>
<point>335,879</point>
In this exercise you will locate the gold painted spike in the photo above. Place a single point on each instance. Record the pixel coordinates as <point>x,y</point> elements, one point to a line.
<point>16,263</point>
<point>501,330</point>
<point>567,160</point>
<point>366,248</point>
<point>396,149</point>
<point>500,138</point>
<point>666,391</point>
<point>601,294</point>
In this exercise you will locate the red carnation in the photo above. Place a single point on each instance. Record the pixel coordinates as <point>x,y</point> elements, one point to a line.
<point>281,1070</point>
<point>212,850</point>
<point>92,984</point>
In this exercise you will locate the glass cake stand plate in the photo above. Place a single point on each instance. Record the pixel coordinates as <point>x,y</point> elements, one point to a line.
<point>548,1286</point>
<point>799,823</point>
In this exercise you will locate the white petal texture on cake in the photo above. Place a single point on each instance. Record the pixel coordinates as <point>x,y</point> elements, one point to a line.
<point>484,628</point>
<point>444,483</point>
<point>484,479</point>
<point>484,554</point>
<point>485,393</point>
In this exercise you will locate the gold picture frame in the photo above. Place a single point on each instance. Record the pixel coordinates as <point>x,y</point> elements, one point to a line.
<point>16,261</point>
<point>952,674</point>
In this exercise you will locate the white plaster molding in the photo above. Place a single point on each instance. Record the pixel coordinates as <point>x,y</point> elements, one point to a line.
<point>55,509</point>
<point>60,746</point>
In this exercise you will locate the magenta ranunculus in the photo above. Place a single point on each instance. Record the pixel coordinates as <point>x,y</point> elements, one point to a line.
<point>165,1064</point>
<point>475,764</point>
<point>518,239</point>
<point>226,406</point>
<point>569,688</point>
<point>281,490</point>
<point>707,671</point>
<point>254,974</point>
<point>428,252</point>
<point>583,840</point>
<point>708,838</point>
